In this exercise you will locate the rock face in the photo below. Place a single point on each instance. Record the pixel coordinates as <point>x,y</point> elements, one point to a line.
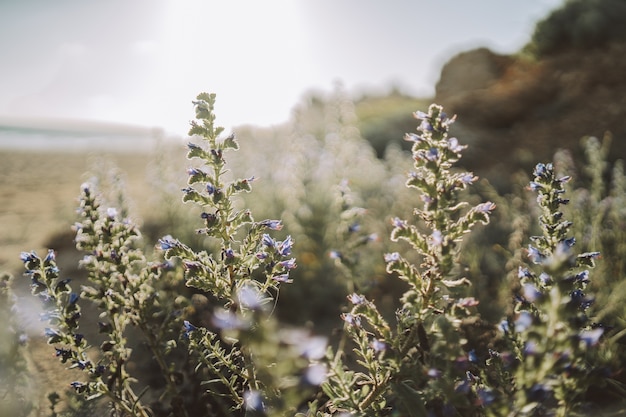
<point>515,111</point>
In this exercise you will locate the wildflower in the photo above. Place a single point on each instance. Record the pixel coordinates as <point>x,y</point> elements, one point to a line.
<point>356,299</point>
<point>530,292</point>
<point>486,207</point>
<point>111,212</point>
<point>400,224</point>
<point>351,319</point>
<point>468,178</point>
<point>284,247</point>
<point>432,154</point>
<point>591,337</point>
<point>168,242</point>
<point>313,347</point>
<point>288,264</point>
<point>316,374</point>
<point>211,189</point>
<point>541,169</point>
<point>378,345</point>
<point>392,257</point>
<point>335,254</point>
<point>467,302</point>
<point>227,320</point>
<point>250,297</point>
<point>253,400</point>
<point>282,278</point>
<point>412,137</point>
<point>267,240</point>
<point>486,396</point>
<point>50,257</point>
<point>454,146</point>
<point>436,238</point>
<point>523,321</point>
<point>535,255</point>
<point>434,373</point>
<point>504,326</point>
<point>272,224</point>
<point>73,298</point>
<point>188,328</point>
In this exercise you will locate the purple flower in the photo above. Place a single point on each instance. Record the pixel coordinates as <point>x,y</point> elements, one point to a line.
<point>454,146</point>
<point>467,302</point>
<point>392,257</point>
<point>211,189</point>
<point>288,264</point>
<point>486,207</point>
<point>397,222</point>
<point>253,400</point>
<point>282,278</point>
<point>468,178</point>
<point>591,337</point>
<point>272,224</point>
<point>378,345</point>
<point>535,255</point>
<point>541,169</point>
<point>168,242</point>
<point>436,238</point>
<point>432,154</point>
<point>356,299</point>
<point>111,212</point>
<point>351,319</point>
<point>316,374</point>
<point>530,292</point>
<point>227,320</point>
<point>250,297</point>
<point>434,373</point>
<point>335,254</point>
<point>523,321</point>
<point>188,328</point>
<point>412,137</point>
<point>268,241</point>
<point>50,257</point>
<point>284,247</point>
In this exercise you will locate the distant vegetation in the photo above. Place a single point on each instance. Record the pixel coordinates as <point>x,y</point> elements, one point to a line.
<point>580,25</point>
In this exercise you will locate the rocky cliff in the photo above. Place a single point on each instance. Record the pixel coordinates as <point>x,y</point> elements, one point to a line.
<point>516,111</point>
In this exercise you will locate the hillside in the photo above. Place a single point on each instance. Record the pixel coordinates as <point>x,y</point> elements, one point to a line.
<point>515,111</point>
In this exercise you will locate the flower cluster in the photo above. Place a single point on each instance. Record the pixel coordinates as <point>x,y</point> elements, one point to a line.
<point>556,341</point>
<point>421,365</point>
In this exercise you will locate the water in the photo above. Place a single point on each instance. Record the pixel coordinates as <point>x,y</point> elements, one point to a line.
<point>41,139</point>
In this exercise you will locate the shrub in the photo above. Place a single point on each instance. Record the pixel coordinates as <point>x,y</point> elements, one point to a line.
<point>191,329</point>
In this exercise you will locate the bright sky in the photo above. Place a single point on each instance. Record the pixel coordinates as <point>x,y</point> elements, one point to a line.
<point>142,61</point>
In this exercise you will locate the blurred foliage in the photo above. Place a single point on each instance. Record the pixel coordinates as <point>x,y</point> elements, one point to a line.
<point>579,25</point>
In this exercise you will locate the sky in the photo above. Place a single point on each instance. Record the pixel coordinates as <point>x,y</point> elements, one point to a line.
<point>142,62</point>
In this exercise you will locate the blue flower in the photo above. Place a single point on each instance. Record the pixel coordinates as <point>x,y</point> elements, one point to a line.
<point>188,328</point>
<point>50,257</point>
<point>535,255</point>
<point>288,264</point>
<point>412,137</point>
<point>282,278</point>
<point>399,223</point>
<point>392,257</point>
<point>486,207</point>
<point>253,401</point>
<point>168,242</point>
<point>272,224</point>
<point>591,337</point>
<point>356,299</point>
<point>284,247</point>
<point>530,292</point>
<point>378,345</point>
<point>351,319</point>
<point>523,321</point>
<point>267,240</point>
